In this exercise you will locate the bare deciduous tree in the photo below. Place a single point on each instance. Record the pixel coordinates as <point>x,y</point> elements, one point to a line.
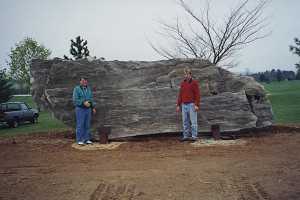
<point>203,38</point>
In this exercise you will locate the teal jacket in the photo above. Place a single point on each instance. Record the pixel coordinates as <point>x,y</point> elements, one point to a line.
<point>81,95</point>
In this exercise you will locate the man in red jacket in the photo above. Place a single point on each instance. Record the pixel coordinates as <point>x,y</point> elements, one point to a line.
<point>189,101</point>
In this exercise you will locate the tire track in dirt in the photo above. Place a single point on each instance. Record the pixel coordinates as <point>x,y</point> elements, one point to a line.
<point>107,191</point>
<point>250,191</point>
<point>260,190</point>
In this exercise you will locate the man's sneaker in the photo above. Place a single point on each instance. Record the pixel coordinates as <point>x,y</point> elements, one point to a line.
<point>193,139</point>
<point>89,142</point>
<point>80,143</point>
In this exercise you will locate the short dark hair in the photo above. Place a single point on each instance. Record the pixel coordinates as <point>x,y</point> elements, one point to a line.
<point>82,78</point>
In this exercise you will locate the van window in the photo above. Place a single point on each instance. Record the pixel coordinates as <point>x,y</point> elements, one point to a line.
<point>24,107</point>
<point>3,107</point>
<point>13,107</point>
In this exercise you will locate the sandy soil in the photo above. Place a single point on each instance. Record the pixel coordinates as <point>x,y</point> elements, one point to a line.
<point>48,167</point>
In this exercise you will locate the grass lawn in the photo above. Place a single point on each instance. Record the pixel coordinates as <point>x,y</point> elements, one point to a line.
<point>46,122</point>
<point>285,100</point>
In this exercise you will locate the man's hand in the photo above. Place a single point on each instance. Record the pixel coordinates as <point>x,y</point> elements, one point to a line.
<point>177,108</point>
<point>196,108</point>
<point>94,110</point>
<point>87,104</point>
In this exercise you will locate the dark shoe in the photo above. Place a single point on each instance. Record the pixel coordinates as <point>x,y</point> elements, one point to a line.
<point>193,139</point>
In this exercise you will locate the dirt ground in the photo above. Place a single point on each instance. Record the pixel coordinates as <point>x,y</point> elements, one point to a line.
<point>48,167</point>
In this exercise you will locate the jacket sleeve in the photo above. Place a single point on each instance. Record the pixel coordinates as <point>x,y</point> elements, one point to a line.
<point>179,98</point>
<point>77,100</point>
<point>196,92</point>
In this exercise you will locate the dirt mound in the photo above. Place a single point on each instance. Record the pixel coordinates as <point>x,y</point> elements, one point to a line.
<point>97,146</point>
<point>212,142</point>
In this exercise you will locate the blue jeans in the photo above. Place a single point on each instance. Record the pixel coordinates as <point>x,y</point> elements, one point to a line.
<point>83,123</point>
<point>189,120</point>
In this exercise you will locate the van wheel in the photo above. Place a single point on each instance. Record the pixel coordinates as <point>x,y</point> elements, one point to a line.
<point>34,120</point>
<point>14,124</point>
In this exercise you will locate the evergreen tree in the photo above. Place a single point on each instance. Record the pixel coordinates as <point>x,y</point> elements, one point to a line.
<point>78,49</point>
<point>5,87</point>
<point>296,50</point>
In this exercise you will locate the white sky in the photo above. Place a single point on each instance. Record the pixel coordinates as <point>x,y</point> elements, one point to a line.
<point>118,29</point>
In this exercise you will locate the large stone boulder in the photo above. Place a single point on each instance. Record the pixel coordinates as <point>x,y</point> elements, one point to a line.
<point>138,98</point>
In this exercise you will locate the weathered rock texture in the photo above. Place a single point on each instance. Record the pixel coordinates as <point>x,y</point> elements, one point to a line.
<point>138,98</point>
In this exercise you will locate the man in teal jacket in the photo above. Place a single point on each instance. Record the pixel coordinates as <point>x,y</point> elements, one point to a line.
<point>84,105</point>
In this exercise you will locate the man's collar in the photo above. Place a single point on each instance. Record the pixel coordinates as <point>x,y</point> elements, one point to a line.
<point>185,80</point>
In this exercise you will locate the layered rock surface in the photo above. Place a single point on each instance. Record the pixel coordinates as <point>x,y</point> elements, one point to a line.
<point>138,98</point>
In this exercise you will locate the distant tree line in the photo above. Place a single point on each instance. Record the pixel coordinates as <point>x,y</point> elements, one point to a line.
<point>276,75</point>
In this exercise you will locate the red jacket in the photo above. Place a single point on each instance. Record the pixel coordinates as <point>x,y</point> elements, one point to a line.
<point>189,93</point>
